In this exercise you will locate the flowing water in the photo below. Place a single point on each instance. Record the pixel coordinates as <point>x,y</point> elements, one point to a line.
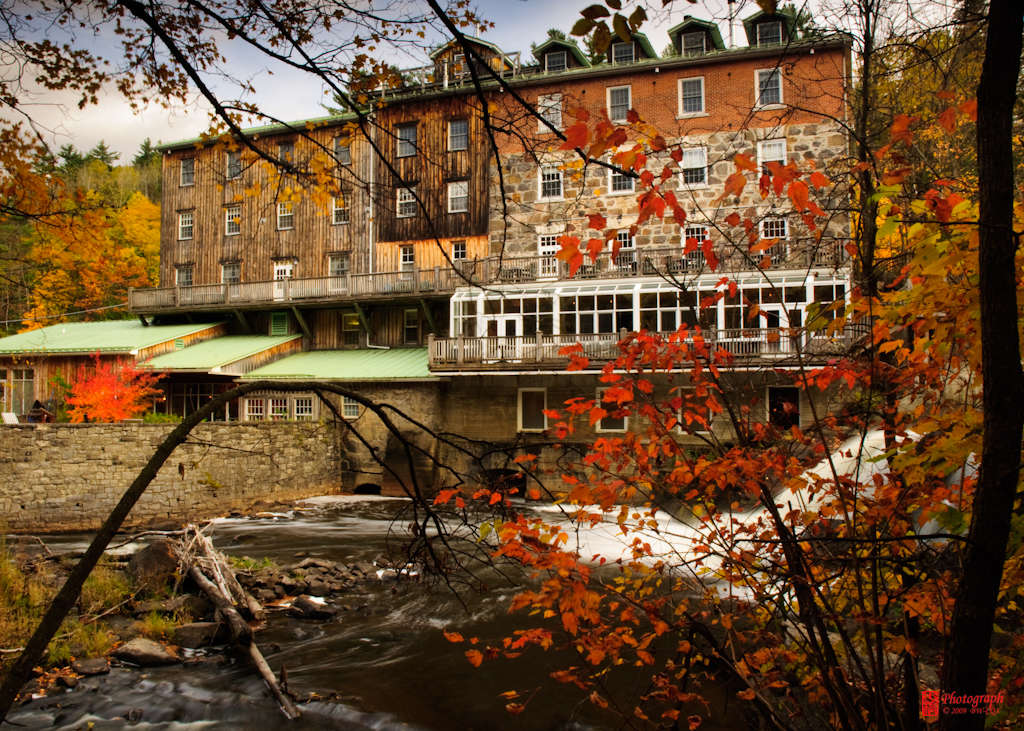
<point>382,663</point>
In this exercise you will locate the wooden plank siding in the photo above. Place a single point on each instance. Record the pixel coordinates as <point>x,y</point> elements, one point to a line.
<point>214,331</point>
<point>241,367</point>
<point>387,325</point>
<point>427,252</point>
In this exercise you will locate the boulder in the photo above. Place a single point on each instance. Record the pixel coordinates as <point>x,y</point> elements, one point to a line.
<point>316,563</point>
<point>154,566</point>
<point>310,607</point>
<point>145,653</point>
<point>199,634</point>
<point>92,666</point>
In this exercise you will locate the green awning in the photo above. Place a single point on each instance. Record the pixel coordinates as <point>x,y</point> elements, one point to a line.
<point>212,355</point>
<point>397,364</point>
<point>107,336</point>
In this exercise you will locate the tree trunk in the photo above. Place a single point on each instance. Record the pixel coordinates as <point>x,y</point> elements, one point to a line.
<point>965,670</point>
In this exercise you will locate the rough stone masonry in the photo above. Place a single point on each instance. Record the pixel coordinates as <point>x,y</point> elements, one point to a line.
<point>67,477</point>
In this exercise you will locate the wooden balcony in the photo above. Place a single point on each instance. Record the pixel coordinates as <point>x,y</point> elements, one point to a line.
<point>772,346</point>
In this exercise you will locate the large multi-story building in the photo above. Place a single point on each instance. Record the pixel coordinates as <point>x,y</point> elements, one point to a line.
<point>412,246</point>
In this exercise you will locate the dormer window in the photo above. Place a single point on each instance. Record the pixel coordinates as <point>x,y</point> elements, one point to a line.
<point>769,33</point>
<point>694,44</point>
<point>555,61</point>
<point>623,53</point>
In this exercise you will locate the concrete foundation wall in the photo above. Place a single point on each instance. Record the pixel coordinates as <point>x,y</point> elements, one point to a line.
<point>69,476</point>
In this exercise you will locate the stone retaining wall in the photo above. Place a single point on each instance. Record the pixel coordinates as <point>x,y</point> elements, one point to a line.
<point>65,477</point>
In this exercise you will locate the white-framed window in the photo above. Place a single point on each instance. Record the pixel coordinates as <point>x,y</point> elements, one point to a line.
<point>186,225</point>
<point>285,216</point>
<point>407,257</point>
<point>350,407</point>
<point>233,167</point>
<point>623,53</point>
<point>619,103</point>
<point>771,151</point>
<point>338,264</point>
<point>406,138</point>
<point>254,410</point>
<point>286,151</point>
<point>695,166</point>
<point>768,87</point>
<point>458,196</point>
<point>769,33</point>
<point>183,275</point>
<point>303,408</point>
<point>776,227</point>
<point>232,220</point>
<point>188,172</point>
<point>694,260</point>
<point>627,250</point>
<point>231,272</point>
<point>549,106</point>
<point>547,247</point>
<point>695,408</point>
<point>458,251</point>
<point>278,409</point>
<point>619,183</point>
<point>694,43</point>
<point>610,423</point>
<point>530,406</point>
<point>342,151</point>
<point>458,135</point>
<point>406,203</point>
<point>691,96</point>
<point>549,180</point>
<point>556,61</point>
<point>340,209</point>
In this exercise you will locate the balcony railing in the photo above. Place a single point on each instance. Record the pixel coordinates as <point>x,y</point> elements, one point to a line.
<point>490,271</point>
<point>531,351</point>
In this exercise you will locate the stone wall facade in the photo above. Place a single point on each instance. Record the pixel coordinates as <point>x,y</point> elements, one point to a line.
<point>67,477</point>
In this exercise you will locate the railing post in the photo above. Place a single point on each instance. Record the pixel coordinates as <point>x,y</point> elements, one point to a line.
<point>437,278</point>
<point>540,346</point>
<point>459,349</point>
<point>431,357</point>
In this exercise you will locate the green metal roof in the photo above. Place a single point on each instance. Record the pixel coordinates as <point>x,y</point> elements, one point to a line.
<point>211,354</point>
<point>107,336</point>
<point>301,125</point>
<point>567,44</point>
<point>786,15</point>
<point>705,25</point>
<point>397,364</point>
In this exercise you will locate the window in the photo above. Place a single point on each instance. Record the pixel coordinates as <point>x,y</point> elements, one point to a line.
<point>775,227</point>
<point>695,166</point>
<point>550,183</point>
<point>547,247</point>
<point>694,260</point>
<point>304,408</point>
<point>411,326</point>
<point>231,272</point>
<point>349,407</point>
<point>549,106</point>
<point>770,33</point>
<point>286,151</point>
<point>254,409</point>
<point>406,200</point>
<point>407,257</point>
<point>694,43</point>
<point>278,323</point>
<point>619,102</point>
<point>342,151</point>
<point>769,87</point>
<point>183,276</point>
<point>530,409</point>
<point>278,409</point>
<point>622,53</point>
<point>232,220</point>
<point>458,251</point>
<point>350,328</point>
<point>458,196</point>
<point>340,210</point>
<point>285,216</point>
<point>555,61</point>
<point>770,151</point>
<point>406,139</point>
<point>23,390</point>
<point>185,225</point>
<point>691,96</point>
<point>338,264</point>
<point>619,183</point>
<point>626,260</point>
<point>694,413</point>
<point>610,422</point>
<point>783,406</point>
<point>234,164</point>
<point>458,135</point>
<point>188,171</point>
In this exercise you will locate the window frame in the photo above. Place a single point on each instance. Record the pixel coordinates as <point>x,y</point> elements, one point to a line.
<point>765,24</point>
<point>237,265</point>
<point>181,270</point>
<point>703,43</point>
<point>407,326</point>
<point>191,175</point>
<point>407,257</point>
<point>406,146</point>
<point>285,214</point>
<point>453,198</point>
<point>763,159</point>
<point>519,410</point>
<point>683,168</point>
<point>629,101</point>
<point>350,408</point>
<point>286,151</point>
<point>599,426</point>
<point>540,183</point>
<point>252,414</point>
<point>342,151</point>
<point>457,254</point>
<point>305,401</point>
<point>233,219</point>
<point>452,136</point>
<point>703,111</point>
<point>345,210</point>
<point>758,102</point>
<point>406,196</point>
<point>614,175</point>
<point>339,256</point>
<point>549,106</point>
<point>191,225</point>
<point>547,61</point>
<point>233,162</point>
<point>632,52</point>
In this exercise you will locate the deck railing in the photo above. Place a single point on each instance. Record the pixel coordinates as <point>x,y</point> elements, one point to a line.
<point>525,351</point>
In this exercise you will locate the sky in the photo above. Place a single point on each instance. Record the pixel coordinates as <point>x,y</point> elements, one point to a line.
<point>291,95</point>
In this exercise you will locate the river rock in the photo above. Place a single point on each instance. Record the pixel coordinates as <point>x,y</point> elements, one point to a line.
<point>92,666</point>
<point>309,607</point>
<point>145,653</point>
<point>67,681</point>
<point>199,634</point>
<point>167,606</point>
<point>154,566</point>
<point>316,563</point>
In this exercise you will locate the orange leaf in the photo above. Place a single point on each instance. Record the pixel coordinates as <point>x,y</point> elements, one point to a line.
<point>744,162</point>
<point>596,220</point>
<point>798,194</point>
<point>818,180</point>
<point>594,248</point>
<point>733,219</point>
<point>575,136</point>
<point>970,109</point>
<point>632,117</point>
<point>475,657</point>
<point>453,637</point>
<point>947,118</point>
<point>734,184</point>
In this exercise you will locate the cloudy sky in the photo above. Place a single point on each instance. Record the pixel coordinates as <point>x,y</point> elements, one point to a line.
<point>291,95</point>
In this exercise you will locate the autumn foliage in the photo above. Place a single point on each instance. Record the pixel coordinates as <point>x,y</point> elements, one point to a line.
<point>109,391</point>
